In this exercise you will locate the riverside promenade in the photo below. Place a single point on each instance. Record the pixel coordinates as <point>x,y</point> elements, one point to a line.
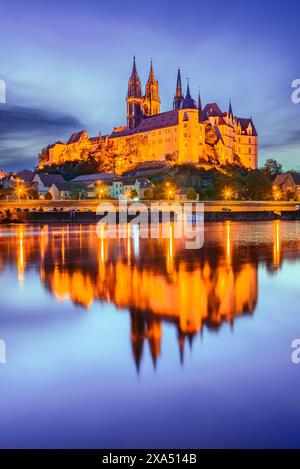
<point>209,206</point>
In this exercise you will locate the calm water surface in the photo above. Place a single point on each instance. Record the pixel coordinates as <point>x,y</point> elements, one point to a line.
<point>142,343</point>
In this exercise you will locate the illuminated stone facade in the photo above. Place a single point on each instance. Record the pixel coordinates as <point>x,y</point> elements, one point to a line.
<point>189,133</point>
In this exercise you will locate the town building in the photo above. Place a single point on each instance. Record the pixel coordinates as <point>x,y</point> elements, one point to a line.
<point>288,185</point>
<point>44,181</point>
<point>94,187</point>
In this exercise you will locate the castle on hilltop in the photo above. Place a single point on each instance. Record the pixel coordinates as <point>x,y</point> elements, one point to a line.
<point>189,133</point>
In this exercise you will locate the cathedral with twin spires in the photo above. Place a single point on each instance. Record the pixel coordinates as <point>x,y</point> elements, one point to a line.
<point>188,133</point>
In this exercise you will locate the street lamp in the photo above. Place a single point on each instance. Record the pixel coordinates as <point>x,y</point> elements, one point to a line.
<point>20,191</point>
<point>170,193</point>
<point>276,193</point>
<point>228,193</point>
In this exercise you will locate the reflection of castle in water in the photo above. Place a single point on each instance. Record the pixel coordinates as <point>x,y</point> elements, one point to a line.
<point>156,280</point>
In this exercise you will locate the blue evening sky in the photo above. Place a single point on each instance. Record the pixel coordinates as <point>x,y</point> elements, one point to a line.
<point>66,65</point>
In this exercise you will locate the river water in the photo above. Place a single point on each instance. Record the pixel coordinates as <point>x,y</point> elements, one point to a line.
<point>127,343</point>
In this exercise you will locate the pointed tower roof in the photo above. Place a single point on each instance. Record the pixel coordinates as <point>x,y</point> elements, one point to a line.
<point>188,93</point>
<point>178,97</point>
<point>199,101</point>
<point>134,84</point>
<point>230,109</point>
<point>134,73</point>
<point>188,102</point>
<point>151,74</point>
<point>178,93</point>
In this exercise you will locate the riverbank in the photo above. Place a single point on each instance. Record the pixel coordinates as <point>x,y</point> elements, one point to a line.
<point>92,217</point>
<point>209,205</point>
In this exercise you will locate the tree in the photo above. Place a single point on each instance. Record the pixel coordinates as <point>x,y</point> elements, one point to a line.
<point>258,185</point>
<point>272,168</point>
<point>191,194</point>
<point>148,194</point>
<point>33,193</point>
<point>78,193</point>
<point>48,196</point>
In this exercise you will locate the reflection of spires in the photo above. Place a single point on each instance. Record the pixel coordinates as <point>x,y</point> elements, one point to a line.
<point>181,346</point>
<point>191,340</point>
<point>154,339</point>
<point>137,337</point>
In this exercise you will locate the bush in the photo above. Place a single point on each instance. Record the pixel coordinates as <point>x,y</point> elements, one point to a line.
<point>148,194</point>
<point>191,194</point>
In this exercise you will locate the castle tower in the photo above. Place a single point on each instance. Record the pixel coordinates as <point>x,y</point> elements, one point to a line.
<point>178,97</point>
<point>151,100</point>
<point>134,99</point>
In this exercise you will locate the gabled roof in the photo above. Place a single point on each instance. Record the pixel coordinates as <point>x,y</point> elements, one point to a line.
<point>26,175</point>
<point>76,137</point>
<point>54,144</point>
<point>63,186</point>
<point>94,177</point>
<point>296,178</point>
<point>281,178</point>
<point>244,123</point>
<point>212,109</point>
<point>49,179</point>
<point>144,182</point>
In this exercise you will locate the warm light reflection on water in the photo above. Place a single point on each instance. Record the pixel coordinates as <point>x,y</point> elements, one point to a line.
<point>54,276</point>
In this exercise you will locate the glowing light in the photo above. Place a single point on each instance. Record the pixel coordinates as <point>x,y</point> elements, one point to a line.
<point>277,244</point>
<point>228,242</point>
<point>21,259</point>
<point>170,193</point>
<point>276,193</point>
<point>228,193</point>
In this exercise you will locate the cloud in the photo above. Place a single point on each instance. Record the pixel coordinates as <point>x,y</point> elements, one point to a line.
<point>24,131</point>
